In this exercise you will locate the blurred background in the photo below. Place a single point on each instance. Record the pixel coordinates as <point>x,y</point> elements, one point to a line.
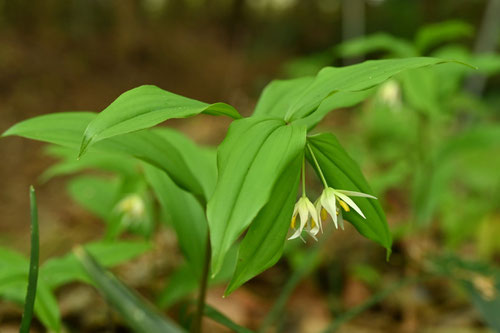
<point>427,142</point>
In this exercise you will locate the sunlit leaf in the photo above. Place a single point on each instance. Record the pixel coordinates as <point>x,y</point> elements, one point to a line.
<point>251,158</point>
<point>263,243</point>
<point>145,107</point>
<point>341,172</point>
<point>277,95</point>
<point>159,147</point>
<point>331,80</point>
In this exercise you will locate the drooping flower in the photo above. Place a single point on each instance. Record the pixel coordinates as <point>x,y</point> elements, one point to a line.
<point>309,220</point>
<point>327,204</point>
<point>390,94</point>
<point>131,208</point>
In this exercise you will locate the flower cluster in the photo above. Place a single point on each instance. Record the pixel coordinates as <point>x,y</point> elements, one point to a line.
<point>331,202</point>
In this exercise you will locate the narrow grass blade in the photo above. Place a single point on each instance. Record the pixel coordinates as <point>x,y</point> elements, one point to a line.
<point>215,315</point>
<point>29,303</point>
<point>138,315</point>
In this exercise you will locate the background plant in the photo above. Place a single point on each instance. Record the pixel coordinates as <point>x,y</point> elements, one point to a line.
<point>48,62</point>
<point>258,166</point>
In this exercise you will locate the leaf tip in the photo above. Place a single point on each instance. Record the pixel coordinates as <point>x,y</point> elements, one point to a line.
<point>229,290</point>
<point>388,253</point>
<point>83,147</point>
<point>79,252</point>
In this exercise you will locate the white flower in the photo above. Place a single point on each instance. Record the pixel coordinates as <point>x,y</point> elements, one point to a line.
<point>308,219</point>
<point>327,203</point>
<point>390,94</point>
<point>132,208</point>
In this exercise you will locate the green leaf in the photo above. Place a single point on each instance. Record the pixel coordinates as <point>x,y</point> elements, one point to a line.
<point>97,194</point>
<point>46,306</point>
<point>430,184</point>
<point>145,107</point>
<point>331,80</point>
<point>380,42</point>
<point>200,161</point>
<point>164,148</point>
<point>263,243</point>
<point>186,214</point>
<point>435,34</point>
<point>14,272</point>
<point>339,100</point>
<point>421,90</point>
<point>342,172</point>
<point>277,95</point>
<point>487,63</point>
<point>66,269</point>
<point>29,302</point>
<point>116,163</point>
<point>217,316</point>
<point>184,282</point>
<point>251,158</point>
<point>138,314</point>
<point>181,283</point>
<point>63,128</point>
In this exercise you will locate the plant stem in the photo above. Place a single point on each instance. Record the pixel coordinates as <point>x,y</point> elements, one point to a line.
<point>200,308</point>
<point>317,166</point>
<point>303,176</point>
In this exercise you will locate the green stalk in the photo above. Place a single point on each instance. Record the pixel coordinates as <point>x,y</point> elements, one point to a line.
<point>303,177</point>
<point>29,303</point>
<point>317,166</point>
<point>200,308</point>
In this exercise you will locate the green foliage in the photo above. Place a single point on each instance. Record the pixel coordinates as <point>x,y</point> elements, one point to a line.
<point>186,215</point>
<point>153,147</point>
<point>249,184</point>
<point>215,315</point>
<point>263,243</point>
<point>54,273</point>
<point>62,270</point>
<point>144,107</point>
<point>248,169</point>
<point>139,316</point>
<point>29,303</point>
<point>342,172</point>
<point>67,164</point>
<point>435,34</point>
<point>14,283</point>
<point>379,42</point>
<point>331,80</point>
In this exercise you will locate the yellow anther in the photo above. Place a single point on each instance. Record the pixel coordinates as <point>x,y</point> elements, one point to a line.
<point>313,223</point>
<point>292,224</point>
<point>324,214</point>
<point>344,205</point>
